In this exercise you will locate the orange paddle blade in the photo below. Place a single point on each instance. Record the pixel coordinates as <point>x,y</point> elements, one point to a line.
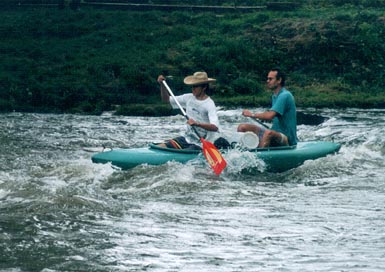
<point>213,157</point>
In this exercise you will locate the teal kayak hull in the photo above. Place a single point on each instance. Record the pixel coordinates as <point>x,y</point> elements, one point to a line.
<point>277,159</point>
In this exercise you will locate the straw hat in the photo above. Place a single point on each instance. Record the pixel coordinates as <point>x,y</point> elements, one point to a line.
<point>198,78</point>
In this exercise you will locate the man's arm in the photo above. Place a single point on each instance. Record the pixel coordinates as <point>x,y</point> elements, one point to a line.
<point>267,115</point>
<point>163,91</point>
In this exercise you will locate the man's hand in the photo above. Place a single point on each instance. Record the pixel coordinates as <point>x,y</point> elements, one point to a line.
<point>161,78</point>
<point>247,113</point>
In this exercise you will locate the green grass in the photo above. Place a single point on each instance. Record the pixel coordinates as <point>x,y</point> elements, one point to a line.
<point>89,60</point>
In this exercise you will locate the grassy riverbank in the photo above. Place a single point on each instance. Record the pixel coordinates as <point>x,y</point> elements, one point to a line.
<point>90,60</point>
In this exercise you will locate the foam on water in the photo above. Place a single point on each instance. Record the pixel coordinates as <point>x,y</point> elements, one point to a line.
<point>238,160</point>
<point>61,212</point>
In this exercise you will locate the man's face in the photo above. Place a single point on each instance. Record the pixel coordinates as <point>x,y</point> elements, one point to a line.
<point>272,82</point>
<point>197,90</point>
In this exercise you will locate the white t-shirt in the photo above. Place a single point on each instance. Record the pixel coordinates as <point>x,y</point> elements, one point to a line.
<point>202,111</point>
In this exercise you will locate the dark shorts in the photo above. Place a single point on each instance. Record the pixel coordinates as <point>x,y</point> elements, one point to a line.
<point>260,133</point>
<point>181,143</point>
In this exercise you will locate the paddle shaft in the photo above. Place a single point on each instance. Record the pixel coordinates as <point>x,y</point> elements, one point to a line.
<point>259,122</point>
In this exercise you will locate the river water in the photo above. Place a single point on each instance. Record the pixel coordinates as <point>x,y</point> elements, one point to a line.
<point>61,212</point>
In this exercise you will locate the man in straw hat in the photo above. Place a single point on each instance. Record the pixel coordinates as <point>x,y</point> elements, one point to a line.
<point>200,109</point>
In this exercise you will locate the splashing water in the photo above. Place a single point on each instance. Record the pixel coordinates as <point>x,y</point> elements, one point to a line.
<point>60,212</point>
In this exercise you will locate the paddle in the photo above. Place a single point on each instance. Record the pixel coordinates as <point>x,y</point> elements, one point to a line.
<point>211,153</point>
<point>260,122</point>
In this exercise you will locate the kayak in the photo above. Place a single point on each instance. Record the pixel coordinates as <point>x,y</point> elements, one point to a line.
<point>277,159</point>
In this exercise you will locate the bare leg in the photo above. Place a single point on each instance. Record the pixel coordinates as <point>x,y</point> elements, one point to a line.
<point>269,137</point>
<point>249,127</point>
<point>273,138</point>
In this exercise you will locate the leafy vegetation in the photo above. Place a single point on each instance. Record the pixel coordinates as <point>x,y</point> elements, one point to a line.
<point>90,60</point>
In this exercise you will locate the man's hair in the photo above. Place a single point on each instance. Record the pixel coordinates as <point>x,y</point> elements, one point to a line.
<point>280,75</point>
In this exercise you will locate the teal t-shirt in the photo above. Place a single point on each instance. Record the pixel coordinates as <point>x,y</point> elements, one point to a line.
<point>286,119</point>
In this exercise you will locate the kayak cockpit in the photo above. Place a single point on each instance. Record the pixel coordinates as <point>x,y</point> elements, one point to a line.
<point>182,151</point>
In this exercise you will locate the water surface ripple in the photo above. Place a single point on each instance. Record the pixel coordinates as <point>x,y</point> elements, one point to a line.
<point>60,212</point>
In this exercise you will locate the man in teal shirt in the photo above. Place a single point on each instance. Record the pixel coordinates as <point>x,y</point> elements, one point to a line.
<point>283,114</point>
